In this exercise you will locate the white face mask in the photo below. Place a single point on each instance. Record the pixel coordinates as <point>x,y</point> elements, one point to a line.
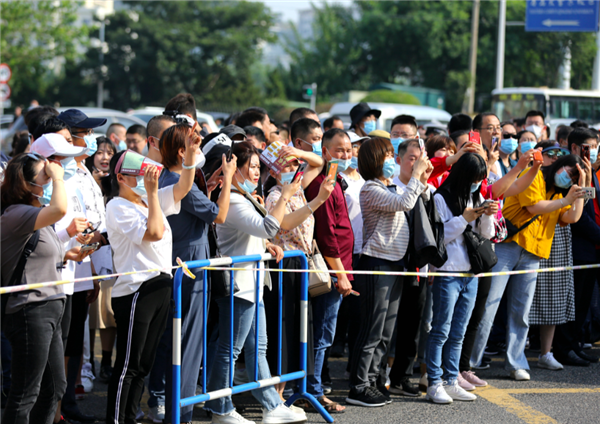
<point>200,159</point>
<point>536,130</point>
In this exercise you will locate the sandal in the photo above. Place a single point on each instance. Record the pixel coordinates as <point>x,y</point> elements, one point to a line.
<point>331,406</point>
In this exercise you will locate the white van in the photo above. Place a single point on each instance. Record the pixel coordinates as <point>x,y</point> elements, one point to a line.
<point>423,114</point>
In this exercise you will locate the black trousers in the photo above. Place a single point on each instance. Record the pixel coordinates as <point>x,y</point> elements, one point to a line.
<point>483,289</point>
<point>568,335</point>
<point>408,325</point>
<point>141,320</point>
<point>38,368</point>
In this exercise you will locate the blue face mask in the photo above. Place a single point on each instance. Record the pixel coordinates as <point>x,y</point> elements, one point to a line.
<point>316,147</point>
<point>45,198</point>
<point>593,155</point>
<point>91,143</point>
<point>122,145</point>
<point>70,167</point>
<point>354,162</point>
<point>389,166</point>
<point>140,188</point>
<point>509,145</point>
<point>370,126</point>
<point>396,143</point>
<point>475,187</point>
<point>563,180</point>
<point>287,177</point>
<point>343,164</point>
<point>527,146</point>
<point>247,186</point>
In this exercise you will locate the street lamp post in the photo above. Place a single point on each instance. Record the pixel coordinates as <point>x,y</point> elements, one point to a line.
<point>101,16</point>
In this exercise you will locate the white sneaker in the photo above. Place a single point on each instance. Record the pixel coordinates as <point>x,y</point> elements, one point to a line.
<point>139,415</point>
<point>282,414</point>
<point>520,375</point>
<point>437,394</point>
<point>547,361</point>
<point>232,418</point>
<point>87,378</point>
<point>458,393</point>
<point>297,410</point>
<point>157,414</point>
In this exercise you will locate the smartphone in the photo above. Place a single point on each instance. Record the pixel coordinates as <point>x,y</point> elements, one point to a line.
<point>474,137</point>
<point>332,170</point>
<point>421,144</point>
<point>590,192</point>
<point>585,151</point>
<point>494,141</point>
<point>486,204</point>
<point>229,154</point>
<point>300,170</point>
<point>91,229</point>
<point>87,247</point>
<point>537,156</point>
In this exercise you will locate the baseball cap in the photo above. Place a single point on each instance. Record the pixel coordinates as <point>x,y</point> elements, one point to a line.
<point>355,138</point>
<point>232,130</point>
<point>215,141</point>
<point>55,144</point>
<point>77,119</point>
<point>379,133</point>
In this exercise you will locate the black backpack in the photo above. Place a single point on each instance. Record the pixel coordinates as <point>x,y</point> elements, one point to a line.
<point>479,249</point>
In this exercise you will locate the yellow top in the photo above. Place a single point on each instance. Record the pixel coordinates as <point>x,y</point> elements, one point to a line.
<point>537,237</point>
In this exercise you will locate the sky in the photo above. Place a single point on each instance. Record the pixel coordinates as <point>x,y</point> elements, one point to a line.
<point>288,9</point>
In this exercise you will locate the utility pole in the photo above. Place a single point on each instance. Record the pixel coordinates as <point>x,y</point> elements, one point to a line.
<point>500,53</point>
<point>102,17</point>
<point>473,56</point>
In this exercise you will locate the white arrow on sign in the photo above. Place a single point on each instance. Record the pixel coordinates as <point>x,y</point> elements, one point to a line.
<point>550,22</point>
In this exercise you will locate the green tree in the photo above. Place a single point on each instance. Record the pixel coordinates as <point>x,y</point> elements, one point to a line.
<point>37,37</point>
<point>158,49</point>
<point>388,96</point>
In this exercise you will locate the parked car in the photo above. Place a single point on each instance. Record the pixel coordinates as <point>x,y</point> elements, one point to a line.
<point>149,112</point>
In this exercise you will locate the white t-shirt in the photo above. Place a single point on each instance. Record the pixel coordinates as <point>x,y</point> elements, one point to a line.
<point>352,195</point>
<point>126,224</point>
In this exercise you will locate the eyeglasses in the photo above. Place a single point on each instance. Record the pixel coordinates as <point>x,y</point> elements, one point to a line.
<point>506,136</point>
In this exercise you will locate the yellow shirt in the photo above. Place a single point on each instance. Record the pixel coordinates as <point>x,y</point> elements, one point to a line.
<point>537,237</point>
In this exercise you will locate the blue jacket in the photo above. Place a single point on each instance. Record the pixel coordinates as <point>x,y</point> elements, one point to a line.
<point>586,233</point>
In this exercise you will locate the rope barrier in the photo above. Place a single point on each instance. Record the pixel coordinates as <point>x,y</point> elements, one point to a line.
<point>14,289</point>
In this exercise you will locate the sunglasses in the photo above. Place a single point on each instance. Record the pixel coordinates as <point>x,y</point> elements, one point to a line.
<point>508,135</point>
<point>555,153</point>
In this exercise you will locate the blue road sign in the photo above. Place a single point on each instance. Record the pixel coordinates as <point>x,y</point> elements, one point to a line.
<point>562,15</point>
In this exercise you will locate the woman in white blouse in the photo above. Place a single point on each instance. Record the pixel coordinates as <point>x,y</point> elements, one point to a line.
<point>454,297</point>
<point>141,239</point>
<point>246,231</point>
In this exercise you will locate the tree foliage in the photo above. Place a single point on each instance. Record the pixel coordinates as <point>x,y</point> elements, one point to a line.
<point>426,43</point>
<point>36,37</point>
<point>389,96</point>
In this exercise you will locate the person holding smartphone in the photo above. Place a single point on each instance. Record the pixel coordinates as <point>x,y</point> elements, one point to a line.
<point>141,239</point>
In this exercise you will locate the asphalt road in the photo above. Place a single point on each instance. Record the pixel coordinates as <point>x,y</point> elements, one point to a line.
<point>568,396</point>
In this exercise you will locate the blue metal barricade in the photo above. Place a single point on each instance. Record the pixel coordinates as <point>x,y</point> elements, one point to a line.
<point>231,390</point>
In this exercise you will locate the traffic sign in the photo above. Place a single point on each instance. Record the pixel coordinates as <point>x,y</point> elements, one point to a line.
<point>5,72</point>
<point>4,91</point>
<point>562,15</point>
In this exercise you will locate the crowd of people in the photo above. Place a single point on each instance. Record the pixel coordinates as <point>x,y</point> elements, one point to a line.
<point>480,196</point>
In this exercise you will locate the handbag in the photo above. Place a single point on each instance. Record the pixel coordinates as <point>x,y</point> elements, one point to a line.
<point>318,282</point>
<point>220,280</point>
<point>427,236</point>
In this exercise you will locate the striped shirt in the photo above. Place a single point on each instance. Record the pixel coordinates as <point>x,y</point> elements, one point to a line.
<point>385,229</point>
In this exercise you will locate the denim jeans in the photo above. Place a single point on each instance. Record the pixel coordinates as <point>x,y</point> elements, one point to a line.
<point>244,333</point>
<point>325,309</point>
<point>38,368</point>
<point>453,302</point>
<point>519,291</point>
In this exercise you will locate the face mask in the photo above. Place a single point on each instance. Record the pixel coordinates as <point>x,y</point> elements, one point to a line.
<point>563,180</point>
<point>343,164</point>
<point>91,143</point>
<point>396,143</point>
<point>287,177</point>
<point>44,199</point>
<point>70,167</point>
<point>509,145</point>
<point>200,159</point>
<point>354,162</point>
<point>316,147</point>
<point>370,126</point>
<point>475,187</point>
<point>122,145</point>
<point>536,130</point>
<point>145,150</point>
<point>593,155</point>
<point>527,146</point>
<point>247,186</point>
<point>389,166</point>
<point>140,188</point>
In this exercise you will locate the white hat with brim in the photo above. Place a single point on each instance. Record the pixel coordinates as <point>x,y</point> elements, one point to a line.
<point>355,138</point>
<point>56,145</point>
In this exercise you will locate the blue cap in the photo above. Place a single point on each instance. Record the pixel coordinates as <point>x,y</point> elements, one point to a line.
<point>75,118</point>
